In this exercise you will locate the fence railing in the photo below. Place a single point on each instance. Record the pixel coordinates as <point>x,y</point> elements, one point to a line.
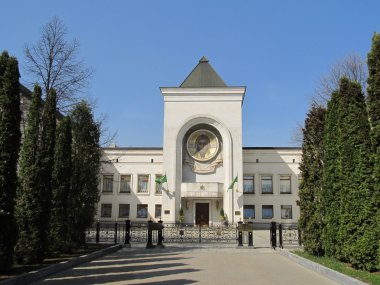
<point>281,235</point>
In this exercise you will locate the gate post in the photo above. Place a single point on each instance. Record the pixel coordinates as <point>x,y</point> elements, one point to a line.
<point>115,235</point>
<point>240,233</point>
<point>200,233</point>
<point>280,234</point>
<point>149,244</point>
<point>97,232</point>
<point>299,237</point>
<point>250,234</point>
<point>159,235</point>
<point>273,239</point>
<point>127,233</point>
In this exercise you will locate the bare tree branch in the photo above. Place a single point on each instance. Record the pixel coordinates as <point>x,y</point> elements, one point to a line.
<point>53,63</point>
<point>353,67</point>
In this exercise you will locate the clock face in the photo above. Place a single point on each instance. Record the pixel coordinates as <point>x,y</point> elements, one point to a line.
<point>202,145</point>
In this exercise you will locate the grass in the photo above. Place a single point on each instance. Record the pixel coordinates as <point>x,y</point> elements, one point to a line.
<point>368,277</point>
<point>19,269</point>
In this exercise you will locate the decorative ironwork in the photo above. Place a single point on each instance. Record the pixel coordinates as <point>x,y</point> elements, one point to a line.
<point>290,235</point>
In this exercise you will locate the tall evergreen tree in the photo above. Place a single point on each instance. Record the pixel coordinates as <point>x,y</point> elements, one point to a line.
<point>330,200</point>
<point>311,186</point>
<point>45,160</point>
<point>86,164</point>
<point>28,203</point>
<point>373,101</point>
<point>10,137</point>
<point>61,227</point>
<point>357,213</point>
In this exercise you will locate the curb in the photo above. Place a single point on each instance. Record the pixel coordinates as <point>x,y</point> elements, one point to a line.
<point>33,276</point>
<point>323,270</point>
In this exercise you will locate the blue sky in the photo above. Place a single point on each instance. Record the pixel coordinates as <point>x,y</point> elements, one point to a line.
<point>278,49</point>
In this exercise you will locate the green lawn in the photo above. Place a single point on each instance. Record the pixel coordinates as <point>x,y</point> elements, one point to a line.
<point>368,277</point>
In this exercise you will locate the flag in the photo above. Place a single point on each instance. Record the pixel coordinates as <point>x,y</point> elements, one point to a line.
<point>161,179</point>
<point>233,183</point>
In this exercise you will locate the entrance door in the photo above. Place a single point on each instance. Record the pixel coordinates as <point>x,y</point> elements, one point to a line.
<point>201,213</point>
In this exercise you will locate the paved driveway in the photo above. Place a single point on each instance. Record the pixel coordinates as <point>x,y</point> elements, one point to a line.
<point>183,265</point>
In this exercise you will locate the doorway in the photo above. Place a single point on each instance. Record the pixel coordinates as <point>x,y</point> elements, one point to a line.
<point>202,214</point>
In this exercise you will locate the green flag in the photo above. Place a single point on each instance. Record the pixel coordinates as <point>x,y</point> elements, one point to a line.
<point>161,179</point>
<point>233,183</point>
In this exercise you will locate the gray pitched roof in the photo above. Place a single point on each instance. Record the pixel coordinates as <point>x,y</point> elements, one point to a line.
<point>203,75</point>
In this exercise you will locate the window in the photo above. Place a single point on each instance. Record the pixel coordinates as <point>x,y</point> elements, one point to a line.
<point>142,211</point>
<point>106,210</point>
<point>123,210</point>
<point>266,185</point>
<point>286,212</point>
<point>249,211</point>
<point>143,183</point>
<point>157,211</point>
<point>125,184</point>
<point>285,182</point>
<point>158,185</point>
<point>108,183</point>
<point>267,212</point>
<point>248,185</point>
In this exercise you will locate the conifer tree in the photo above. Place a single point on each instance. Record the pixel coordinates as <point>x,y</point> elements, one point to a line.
<point>45,160</point>
<point>86,164</point>
<point>10,137</point>
<point>330,200</point>
<point>311,186</point>
<point>62,194</point>
<point>28,203</point>
<point>373,101</point>
<point>357,213</point>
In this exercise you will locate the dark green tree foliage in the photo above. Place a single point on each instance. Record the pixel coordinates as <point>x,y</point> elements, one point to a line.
<point>330,200</point>
<point>373,101</point>
<point>86,163</point>
<point>311,186</point>
<point>61,227</point>
<point>10,137</point>
<point>45,160</point>
<point>357,213</point>
<point>28,204</point>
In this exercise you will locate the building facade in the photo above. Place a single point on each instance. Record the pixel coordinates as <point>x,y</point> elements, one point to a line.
<point>203,174</point>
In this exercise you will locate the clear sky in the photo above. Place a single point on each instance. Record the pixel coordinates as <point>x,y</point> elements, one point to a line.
<point>278,49</point>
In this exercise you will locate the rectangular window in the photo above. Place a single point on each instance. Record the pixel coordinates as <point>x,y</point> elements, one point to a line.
<point>142,211</point>
<point>125,184</point>
<point>158,189</point>
<point>249,211</point>
<point>286,212</point>
<point>267,212</point>
<point>248,185</point>
<point>157,211</point>
<point>106,210</point>
<point>266,184</point>
<point>123,210</point>
<point>108,183</point>
<point>285,182</point>
<point>143,182</point>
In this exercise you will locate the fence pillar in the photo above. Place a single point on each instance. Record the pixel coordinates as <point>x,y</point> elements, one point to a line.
<point>280,234</point>
<point>240,234</point>
<point>159,235</point>
<point>127,233</point>
<point>299,237</point>
<point>97,232</point>
<point>149,244</point>
<point>250,235</point>
<point>273,238</point>
<point>115,235</point>
<point>200,233</point>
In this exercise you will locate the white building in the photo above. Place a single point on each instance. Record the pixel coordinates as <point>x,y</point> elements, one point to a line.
<point>202,154</point>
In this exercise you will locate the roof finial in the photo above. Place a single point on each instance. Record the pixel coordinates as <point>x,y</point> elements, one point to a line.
<point>203,59</point>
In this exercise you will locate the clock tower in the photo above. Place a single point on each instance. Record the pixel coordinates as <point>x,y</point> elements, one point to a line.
<point>202,148</point>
